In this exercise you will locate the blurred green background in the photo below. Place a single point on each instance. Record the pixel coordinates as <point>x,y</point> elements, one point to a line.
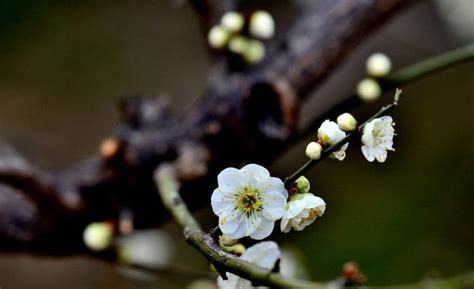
<point>65,63</point>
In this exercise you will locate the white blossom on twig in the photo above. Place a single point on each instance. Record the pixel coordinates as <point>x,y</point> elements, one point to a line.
<point>248,202</point>
<point>378,139</point>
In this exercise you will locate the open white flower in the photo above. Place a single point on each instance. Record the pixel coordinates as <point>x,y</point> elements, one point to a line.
<point>329,133</point>
<point>301,211</point>
<point>248,202</point>
<point>378,139</point>
<point>263,254</point>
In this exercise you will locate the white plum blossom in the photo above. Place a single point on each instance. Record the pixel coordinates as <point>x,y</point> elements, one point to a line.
<point>329,133</point>
<point>301,211</point>
<point>378,139</point>
<point>263,254</point>
<point>248,202</point>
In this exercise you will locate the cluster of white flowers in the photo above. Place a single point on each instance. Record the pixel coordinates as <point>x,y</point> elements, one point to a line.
<point>248,44</point>
<point>377,137</point>
<point>249,201</point>
<point>378,65</point>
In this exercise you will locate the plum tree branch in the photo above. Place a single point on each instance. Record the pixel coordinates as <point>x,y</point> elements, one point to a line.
<point>251,113</point>
<point>397,79</point>
<point>167,185</point>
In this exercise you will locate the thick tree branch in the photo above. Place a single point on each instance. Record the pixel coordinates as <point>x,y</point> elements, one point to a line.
<point>244,116</point>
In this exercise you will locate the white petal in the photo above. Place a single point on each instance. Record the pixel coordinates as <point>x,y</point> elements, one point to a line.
<point>313,201</point>
<point>284,225</point>
<point>273,204</point>
<point>231,177</point>
<point>365,151</point>
<point>229,222</point>
<point>263,230</point>
<point>271,184</point>
<point>239,233</point>
<point>381,157</point>
<point>294,208</point>
<point>255,171</point>
<point>263,254</point>
<point>220,202</point>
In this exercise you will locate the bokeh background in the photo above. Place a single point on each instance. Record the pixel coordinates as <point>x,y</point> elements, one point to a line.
<point>65,63</point>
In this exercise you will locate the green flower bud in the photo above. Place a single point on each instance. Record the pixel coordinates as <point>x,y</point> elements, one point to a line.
<point>302,183</point>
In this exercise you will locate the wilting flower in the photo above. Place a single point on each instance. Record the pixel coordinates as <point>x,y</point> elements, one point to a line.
<point>263,254</point>
<point>248,202</point>
<point>329,133</point>
<point>301,211</point>
<point>378,139</point>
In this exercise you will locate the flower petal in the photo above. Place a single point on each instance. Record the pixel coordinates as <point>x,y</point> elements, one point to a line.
<point>221,202</point>
<point>272,184</point>
<point>263,254</point>
<point>273,204</point>
<point>255,171</point>
<point>231,177</point>
<point>263,230</point>
<point>239,233</point>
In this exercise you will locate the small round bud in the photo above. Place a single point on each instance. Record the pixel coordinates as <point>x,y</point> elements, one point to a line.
<point>378,65</point>
<point>254,52</point>
<point>238,44</point>
<point>369,89</point>
<point>262,25</point>
<point>302,183</point>
<point>237,249</point>
<point>232,21</point>
<point>109,148</point>
<point>218,37</point>
<point>98,236</point>
<point>313,150</point>
<point>346,122</point>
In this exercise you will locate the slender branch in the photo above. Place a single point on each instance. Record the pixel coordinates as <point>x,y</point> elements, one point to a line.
<point>224,262</point>
<point>327,152</point>
<point>397,79</point>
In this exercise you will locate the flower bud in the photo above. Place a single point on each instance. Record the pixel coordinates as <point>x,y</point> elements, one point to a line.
<point>262,25</point>
<point>226,241</point>
<point>313,150</point>
<point>378,65</point>
<point>232,21</point>
<point>218,37</point>
<point>238,44</point>
<point>368,89</point>
<point>303,185</point>
<point>98,236</point>
<point>254,52</point>
<point>346,122</point>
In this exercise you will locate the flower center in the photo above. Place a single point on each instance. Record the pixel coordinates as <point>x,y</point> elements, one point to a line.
<point>248,201</point>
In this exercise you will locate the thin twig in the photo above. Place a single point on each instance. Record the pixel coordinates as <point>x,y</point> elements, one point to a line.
<point>327,152</point>
<point>396,79</point>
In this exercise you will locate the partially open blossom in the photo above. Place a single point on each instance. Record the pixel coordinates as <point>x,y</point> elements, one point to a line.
<point>248,202</point>
<point>98,236</point>
<point>346,122</point>
<point>378,139</point>
<point>262,25</point>
<point>301,211</point>
<point>263,254</point>
<point>378,65</point>
<point>368,89</point>
<point>232,21</point>
<point>329,133</point>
